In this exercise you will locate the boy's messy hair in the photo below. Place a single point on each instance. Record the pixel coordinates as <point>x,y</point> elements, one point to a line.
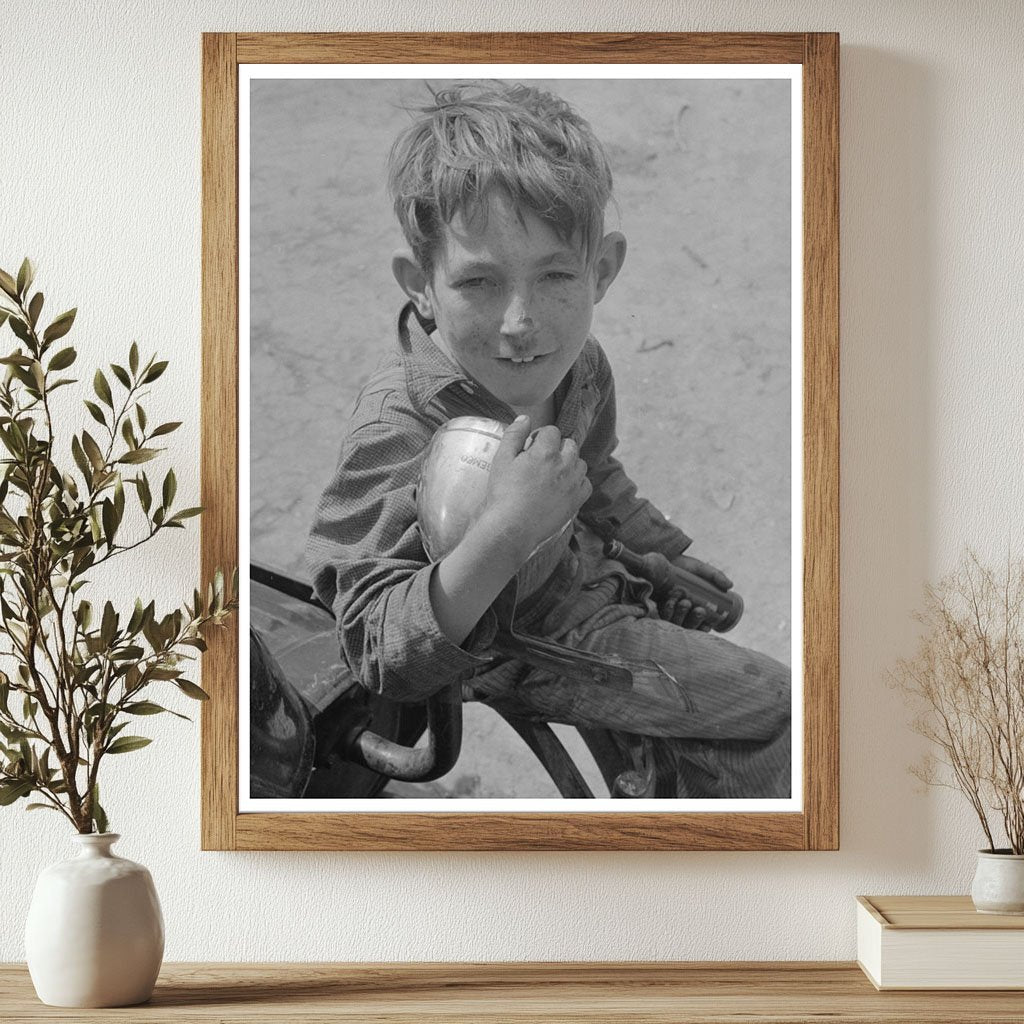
<point>478,136</point>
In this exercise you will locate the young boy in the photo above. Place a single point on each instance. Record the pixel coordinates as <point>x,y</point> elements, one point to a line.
<point>500,192</point>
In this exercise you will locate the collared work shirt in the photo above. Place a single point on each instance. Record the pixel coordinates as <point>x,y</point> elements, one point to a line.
<point>365,553</point>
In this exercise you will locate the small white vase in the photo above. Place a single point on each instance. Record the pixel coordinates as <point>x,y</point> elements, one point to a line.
<point>95,933</point>
<point>999,882</point>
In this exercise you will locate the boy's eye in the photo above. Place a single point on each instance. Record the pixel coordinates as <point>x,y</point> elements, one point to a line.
<point>559,275</point>
<point>475,282</point>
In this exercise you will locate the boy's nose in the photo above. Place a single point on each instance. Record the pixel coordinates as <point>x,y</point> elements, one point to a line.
<point>517,322</point>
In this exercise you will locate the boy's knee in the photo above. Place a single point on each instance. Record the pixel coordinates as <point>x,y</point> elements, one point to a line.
<point>773,689</point>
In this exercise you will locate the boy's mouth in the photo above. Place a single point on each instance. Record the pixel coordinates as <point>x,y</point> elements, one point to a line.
<point>524,360</point>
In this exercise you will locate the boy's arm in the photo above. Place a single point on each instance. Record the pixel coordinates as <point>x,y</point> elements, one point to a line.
<point>367,564</point>
<point>406,628</point>
<point>531,495</point>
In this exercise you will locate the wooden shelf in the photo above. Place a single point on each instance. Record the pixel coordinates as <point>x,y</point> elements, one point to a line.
<point>477,993</point>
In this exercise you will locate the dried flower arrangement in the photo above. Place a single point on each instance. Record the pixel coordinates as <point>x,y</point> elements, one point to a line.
<point>967,679</point>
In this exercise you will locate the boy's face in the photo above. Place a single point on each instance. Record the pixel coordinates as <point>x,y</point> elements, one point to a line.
<point>512,302</point>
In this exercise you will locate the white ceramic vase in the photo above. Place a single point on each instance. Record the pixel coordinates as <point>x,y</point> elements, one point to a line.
<point>999,882</point>
<point>95,933</point>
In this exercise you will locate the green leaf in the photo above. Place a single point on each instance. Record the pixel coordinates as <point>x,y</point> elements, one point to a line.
<point>20,328</point>
<point>143,707</point>
<point>132,679</point>
<point>102,388</point>
<point>109,521</point>
<point>108,627</point>
<point>170,487</point>
<point>191,690</point>
<point>95,527</point>
<point>34,308</point>
<point>133,358</point>
<point>99,816</point>
<point>16,359</point>
<point>12,733</point>
<point>129,653</point>
<point>26,274</point>
<point>140,415</point>
<point>10,442</point>
<point>125,744</point>
<point>7,283</point>
<point>18,632</point>
<point>146,499</point>
<point>80,459</point>
<point>63,359</point>
<point>116,730</point>
<point>185,513</point>
<point>170,674</point>
<point>121,374</point>
<point>83,613</point>
<point>119,499</point>
<point>42,807</point>
<point>14,790</point>
<point>165,428</point>
<point>135,622</point>
<point>151,631</point>
<point>60,326</point>
<point>92,449</point>
<point>147,707</point>
<point>139,455</point>
<point>154,371</point>
<point>128,433</point>
<point>95,412</point>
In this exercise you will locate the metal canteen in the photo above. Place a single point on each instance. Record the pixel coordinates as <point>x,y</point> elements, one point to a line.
<point>452,486</point>
<point>453,480</point>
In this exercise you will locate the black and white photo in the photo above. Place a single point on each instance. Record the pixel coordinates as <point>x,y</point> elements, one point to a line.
<point>651,319</point>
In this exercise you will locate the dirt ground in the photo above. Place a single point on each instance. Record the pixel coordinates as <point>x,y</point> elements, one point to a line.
<point>697,326</point>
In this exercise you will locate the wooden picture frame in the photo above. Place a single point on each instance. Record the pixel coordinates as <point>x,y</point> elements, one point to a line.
<point>816,825</point>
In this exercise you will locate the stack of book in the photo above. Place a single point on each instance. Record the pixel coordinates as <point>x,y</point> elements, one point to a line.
<point>906,942</point>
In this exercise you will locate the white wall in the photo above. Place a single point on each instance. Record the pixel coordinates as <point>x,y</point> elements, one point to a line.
<point>100,183</point>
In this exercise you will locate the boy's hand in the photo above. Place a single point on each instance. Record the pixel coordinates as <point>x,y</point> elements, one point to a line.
<point>532,492</point>
<point>535,488</point>
<point>675,606</point>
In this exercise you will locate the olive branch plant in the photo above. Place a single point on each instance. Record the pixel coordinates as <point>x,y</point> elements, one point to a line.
<point>80,674</point>
<point>967,682</point>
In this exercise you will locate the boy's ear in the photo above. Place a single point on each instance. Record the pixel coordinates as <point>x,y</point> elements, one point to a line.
<point>413,281</point>
<point>610,257</point>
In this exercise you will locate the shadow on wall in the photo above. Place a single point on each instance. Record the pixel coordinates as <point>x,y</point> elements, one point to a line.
<point>887,285</point>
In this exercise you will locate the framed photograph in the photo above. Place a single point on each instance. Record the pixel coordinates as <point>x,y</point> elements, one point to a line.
<point>521,419</point>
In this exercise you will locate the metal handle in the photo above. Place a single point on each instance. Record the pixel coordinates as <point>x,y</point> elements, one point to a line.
<point>415,764</point>
<point>371,750</point>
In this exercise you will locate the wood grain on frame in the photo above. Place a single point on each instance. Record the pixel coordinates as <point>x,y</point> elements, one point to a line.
<point>817,827</point>
<point>219,429</point>
<point>821,441</point>
<point>522,48</point>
